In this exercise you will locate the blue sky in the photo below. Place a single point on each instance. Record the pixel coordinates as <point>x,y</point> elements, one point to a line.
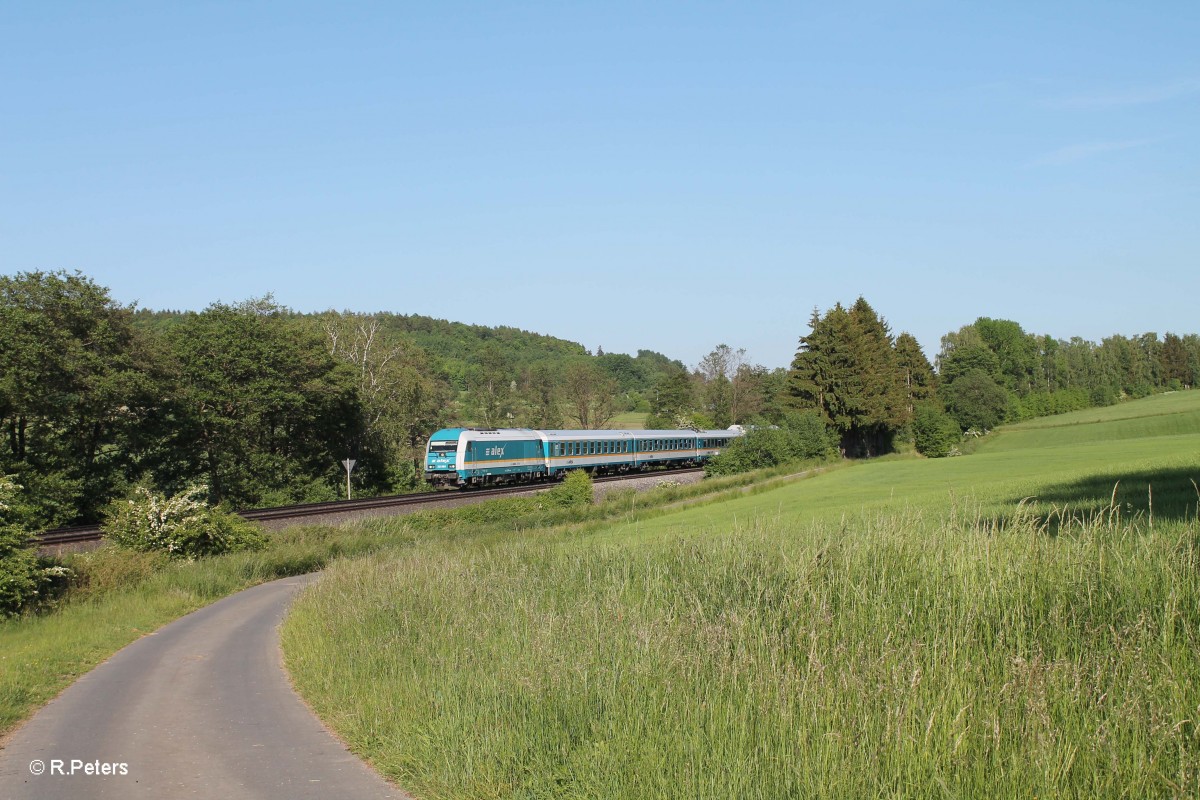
<point>658,175</point>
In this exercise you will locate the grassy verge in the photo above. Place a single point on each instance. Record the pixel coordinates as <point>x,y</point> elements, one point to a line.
<point>1011,624</point>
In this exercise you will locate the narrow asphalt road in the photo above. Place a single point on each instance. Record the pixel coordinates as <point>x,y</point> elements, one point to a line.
<point>200,709</point>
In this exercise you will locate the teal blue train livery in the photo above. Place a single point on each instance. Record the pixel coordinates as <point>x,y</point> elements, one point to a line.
<point>494,456</point>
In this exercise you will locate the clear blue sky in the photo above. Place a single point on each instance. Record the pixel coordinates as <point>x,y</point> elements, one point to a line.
<point>625,174</point>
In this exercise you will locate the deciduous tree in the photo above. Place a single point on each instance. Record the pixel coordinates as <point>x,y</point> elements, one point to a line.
<point>591,395</point>
<point>72,392</point>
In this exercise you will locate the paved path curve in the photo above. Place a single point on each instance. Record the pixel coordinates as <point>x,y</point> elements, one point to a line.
<point>200,709</point>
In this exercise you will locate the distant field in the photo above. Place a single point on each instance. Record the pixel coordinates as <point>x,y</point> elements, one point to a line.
<point>633,421</point>
<point>1172,414</point>
<point>996,625</point>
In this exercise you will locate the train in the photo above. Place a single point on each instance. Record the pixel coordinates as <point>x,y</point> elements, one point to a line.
<point>472,457</point>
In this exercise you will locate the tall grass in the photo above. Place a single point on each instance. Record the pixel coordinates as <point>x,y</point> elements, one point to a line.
<point>896,654</point>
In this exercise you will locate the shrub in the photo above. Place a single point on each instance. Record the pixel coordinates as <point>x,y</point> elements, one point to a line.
<point>575,490</point>
<point>935,433</point>
<point>182,526</point>
<point>802,436</point>
<point>20,573</point>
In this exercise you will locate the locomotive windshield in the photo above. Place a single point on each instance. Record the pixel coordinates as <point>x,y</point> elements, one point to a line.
<point>443,447</point>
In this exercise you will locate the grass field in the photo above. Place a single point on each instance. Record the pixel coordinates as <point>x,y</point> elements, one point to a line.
<point>998,625</point>
<point>632,421</point>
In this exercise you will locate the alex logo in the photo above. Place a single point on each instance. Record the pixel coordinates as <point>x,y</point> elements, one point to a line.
<point>494,451</point>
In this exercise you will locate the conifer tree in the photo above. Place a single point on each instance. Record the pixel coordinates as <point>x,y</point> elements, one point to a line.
<point>880,408</point>
<point>847,370</point>
<point>920,384</point>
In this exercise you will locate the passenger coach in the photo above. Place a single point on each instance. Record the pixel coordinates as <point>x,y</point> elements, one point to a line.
<point>490,456</point>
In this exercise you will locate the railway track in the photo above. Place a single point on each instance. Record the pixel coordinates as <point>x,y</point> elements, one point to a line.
<point>345,510</point>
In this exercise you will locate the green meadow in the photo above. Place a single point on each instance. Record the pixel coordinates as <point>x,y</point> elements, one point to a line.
<point>629,421</point>
<point>1020,622</point>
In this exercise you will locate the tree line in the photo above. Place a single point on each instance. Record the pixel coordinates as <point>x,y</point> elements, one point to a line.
<point>260,404</point>
<point>871,387</point>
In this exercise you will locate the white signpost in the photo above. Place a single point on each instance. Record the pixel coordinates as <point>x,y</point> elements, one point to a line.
<point>349,465</point>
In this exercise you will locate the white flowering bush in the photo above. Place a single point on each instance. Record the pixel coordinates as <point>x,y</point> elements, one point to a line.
<point>182,526</point>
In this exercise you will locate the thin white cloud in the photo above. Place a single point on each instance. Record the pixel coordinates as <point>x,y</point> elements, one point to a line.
<point>1132,95</point>
<point>1085,150</point>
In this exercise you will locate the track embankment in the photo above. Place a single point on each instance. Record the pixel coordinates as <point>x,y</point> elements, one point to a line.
<point>85,537</point>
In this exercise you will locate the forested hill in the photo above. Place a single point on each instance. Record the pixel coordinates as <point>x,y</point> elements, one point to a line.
<point>443,340</point>
<point>454,350</point>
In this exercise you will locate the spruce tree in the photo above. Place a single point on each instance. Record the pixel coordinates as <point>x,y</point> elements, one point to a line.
<point>846,369</point>
<point>919,382</point>
<point>880,406</point>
